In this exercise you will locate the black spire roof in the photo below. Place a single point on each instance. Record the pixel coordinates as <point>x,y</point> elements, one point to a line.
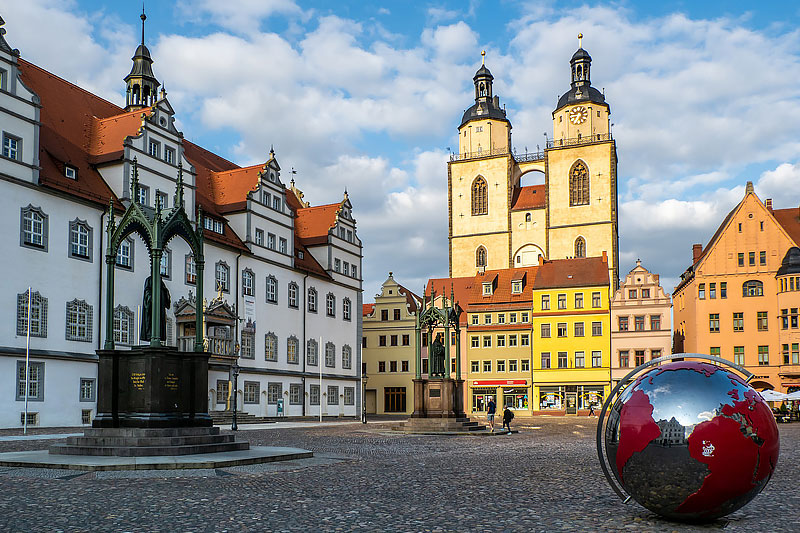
<point>581,86</point>
<point>790,263</point>
<point>486,106</point>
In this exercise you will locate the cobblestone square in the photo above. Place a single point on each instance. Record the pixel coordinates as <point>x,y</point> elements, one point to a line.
<point>366,478</point>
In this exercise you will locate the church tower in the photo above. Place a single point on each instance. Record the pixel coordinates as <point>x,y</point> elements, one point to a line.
<point>142,85</point>
<point>479,184</point>
<point>582,173</point>
<point>495,221</point>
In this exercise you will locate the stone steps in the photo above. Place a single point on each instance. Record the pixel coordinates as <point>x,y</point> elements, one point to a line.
<point>144,442</point>
<point>225,418</point>
<point>439,425</point>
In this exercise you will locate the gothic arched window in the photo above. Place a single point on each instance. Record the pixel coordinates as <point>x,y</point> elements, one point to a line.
<point>580,247</point>
<point>578,184</point>
<point>480,257</point>
<point>479,197</point>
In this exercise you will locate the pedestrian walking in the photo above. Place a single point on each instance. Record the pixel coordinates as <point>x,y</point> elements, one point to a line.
<point>507,416</point>
<point>591,409</point>
<point>491,407</point>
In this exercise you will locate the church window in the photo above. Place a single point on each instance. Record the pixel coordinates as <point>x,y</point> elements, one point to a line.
<point>579,184</point>
<point>479,197</point>
<point>480,257</point>
<point>580,247</point>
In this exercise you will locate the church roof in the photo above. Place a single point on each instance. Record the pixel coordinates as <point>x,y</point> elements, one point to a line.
<point>482,111</point>
<point>530,197</point>
<point>581,94</point>
<point>580,54</point>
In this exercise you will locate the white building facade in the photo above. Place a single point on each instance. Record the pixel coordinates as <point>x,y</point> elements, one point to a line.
<point>282,278</point>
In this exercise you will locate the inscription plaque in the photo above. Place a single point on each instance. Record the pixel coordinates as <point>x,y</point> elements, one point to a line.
<point>435,393</point>
<point>137,380</point>
<point>171,381</point>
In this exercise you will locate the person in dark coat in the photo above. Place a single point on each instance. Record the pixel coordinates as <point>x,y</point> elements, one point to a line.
<point>507,416</point>
<point>490,410</point>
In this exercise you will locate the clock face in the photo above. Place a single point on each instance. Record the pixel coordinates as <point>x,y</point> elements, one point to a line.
<point>578,115</point>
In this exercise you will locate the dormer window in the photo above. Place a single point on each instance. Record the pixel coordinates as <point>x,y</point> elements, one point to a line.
<point>487,289</point>
<point>516,287</point>
<point>212,224</point>
<point>71,172</point>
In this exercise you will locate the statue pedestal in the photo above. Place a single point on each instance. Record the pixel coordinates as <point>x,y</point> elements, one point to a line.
<point>148,387</point>
<point>438,398</point>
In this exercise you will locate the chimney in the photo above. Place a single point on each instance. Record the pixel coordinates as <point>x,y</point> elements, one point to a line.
<point>697,249</point>
<point>605,257</point>
<point>768,203</point>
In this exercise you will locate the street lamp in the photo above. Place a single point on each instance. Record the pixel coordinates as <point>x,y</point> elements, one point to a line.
<point>235,371</point>
<point>364,379</point>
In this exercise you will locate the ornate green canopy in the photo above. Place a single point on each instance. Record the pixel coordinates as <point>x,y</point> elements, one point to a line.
<point>156,228</point>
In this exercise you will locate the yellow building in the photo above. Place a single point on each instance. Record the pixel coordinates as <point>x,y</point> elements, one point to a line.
<point>388,349</point>
<point>496,222</point>
<point>739,299</point>
<point>571,335</point>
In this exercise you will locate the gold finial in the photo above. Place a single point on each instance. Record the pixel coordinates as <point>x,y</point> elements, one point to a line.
<point>483,57</point>
<point>580,40</point>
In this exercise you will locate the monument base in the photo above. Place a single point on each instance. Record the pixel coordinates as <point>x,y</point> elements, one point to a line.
<point>152,387</point>
<point>438,408</point>
<point>149,442</point>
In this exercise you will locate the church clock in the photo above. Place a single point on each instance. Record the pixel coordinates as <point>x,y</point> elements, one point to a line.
<point>578,115</point>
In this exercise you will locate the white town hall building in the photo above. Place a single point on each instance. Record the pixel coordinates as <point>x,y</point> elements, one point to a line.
<point>286,288</point>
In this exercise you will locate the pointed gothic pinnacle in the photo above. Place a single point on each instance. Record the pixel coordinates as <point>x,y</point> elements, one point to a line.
<point>135,180</point>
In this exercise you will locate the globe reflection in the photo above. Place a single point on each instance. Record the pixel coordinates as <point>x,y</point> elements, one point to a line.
<point>691,441</point>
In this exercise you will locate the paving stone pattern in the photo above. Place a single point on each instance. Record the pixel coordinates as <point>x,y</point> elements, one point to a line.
<point>364,478</point>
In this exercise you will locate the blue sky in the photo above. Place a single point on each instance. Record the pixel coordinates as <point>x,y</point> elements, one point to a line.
<point>368,96</point>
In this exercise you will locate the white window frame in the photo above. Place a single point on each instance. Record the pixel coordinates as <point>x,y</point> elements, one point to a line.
<point>272,289</point>
<point>12,146</point>
<point>222,277</point>
<point>80,240</point>
<point>78,321</point>
<point>33,228</point>
<point>248,282</point>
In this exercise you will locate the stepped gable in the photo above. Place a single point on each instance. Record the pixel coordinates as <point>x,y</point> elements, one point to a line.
<point>67,116</point>
<point>579,272</point>
<point>530,197</point>
<point>411,298</point>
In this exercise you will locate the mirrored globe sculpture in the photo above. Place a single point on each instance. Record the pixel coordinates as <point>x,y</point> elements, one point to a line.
<point>688,440</point>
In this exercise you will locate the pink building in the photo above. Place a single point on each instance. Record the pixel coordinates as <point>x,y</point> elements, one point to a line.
<point>641,322</point>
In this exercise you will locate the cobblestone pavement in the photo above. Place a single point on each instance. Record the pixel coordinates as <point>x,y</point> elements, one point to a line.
<point>545,478</point>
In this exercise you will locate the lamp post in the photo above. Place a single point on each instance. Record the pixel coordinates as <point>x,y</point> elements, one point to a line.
<point>364,379</point>
<point>235,372</point>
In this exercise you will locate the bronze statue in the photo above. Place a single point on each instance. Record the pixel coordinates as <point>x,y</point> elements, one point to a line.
<point>147,305</point>
<point>437,357</point>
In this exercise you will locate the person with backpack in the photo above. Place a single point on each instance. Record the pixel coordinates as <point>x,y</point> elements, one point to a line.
<point>491,407</point>
<point>507,416</point>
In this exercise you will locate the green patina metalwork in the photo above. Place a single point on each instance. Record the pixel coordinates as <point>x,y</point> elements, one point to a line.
<point>432,317</point>
<point>156,228</point>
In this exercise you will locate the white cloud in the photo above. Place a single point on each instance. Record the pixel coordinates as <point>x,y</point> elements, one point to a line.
<point>238,16</point>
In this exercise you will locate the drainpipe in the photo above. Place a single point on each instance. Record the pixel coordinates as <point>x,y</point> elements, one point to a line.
<point>100,263</point>
<point>305,345</point>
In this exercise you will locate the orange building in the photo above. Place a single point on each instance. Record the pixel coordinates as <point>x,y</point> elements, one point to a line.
<point>738,302</point>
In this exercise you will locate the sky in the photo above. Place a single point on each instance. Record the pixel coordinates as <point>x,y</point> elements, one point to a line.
<point>368,96</point>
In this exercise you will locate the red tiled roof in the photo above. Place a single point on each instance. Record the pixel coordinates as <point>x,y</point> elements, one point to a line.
<point>67,117</point>
<point>367,309</point>
<point>581,272</point>
<point>501,281</point>
<point>789,219</point>
<point>107,134</point>
<point>307,263</point>
<point>411,298</point>
<point>530,197</point>
<point>313,223</point>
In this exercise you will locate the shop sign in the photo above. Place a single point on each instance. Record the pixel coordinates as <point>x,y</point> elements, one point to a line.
<point>498,382</point>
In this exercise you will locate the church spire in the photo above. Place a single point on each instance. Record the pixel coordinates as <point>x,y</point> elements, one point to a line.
<point>580,63</point>
<point>142,85</point>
